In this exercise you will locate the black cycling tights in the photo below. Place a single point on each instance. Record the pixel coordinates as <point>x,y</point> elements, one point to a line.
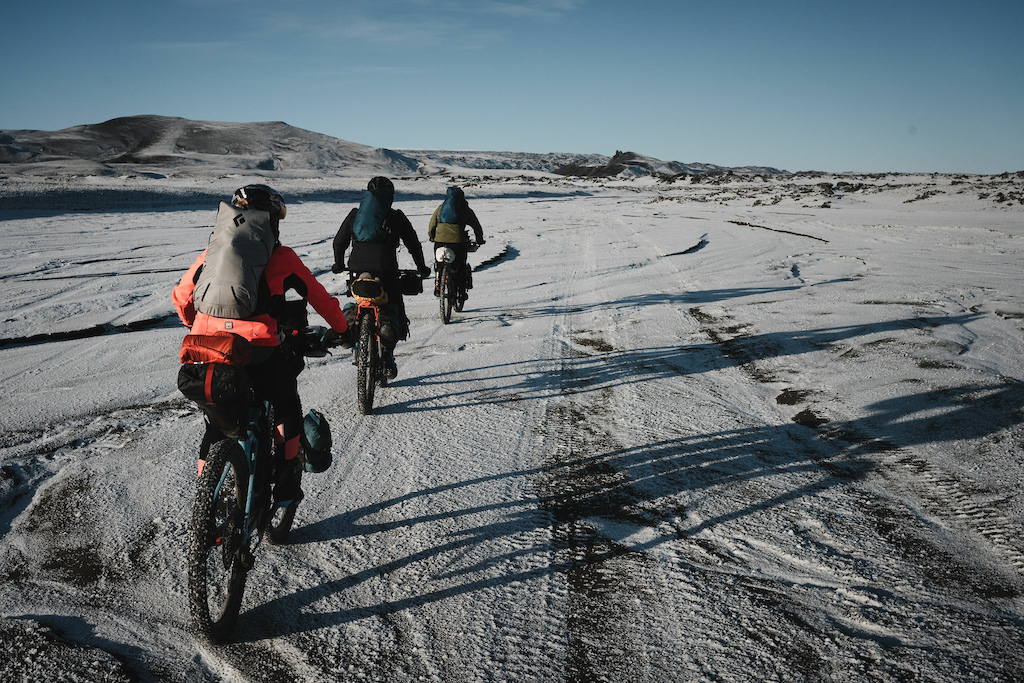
<point>275,380</point>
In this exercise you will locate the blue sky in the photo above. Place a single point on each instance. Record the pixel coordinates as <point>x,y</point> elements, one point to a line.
<point>870,85</point>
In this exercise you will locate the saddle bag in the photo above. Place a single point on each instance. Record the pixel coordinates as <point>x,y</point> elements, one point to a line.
<point>213,376</point>
<point>220,347</point>
<point>366,288</point>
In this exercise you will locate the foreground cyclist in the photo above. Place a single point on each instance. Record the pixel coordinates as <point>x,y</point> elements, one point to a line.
<point>374,231</point>
<point>215,308</point>
<point>448,229</point>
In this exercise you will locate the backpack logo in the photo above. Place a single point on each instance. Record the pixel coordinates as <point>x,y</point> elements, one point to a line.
<point>239,219</point>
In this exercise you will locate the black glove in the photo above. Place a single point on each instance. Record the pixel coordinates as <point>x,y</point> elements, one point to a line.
<point>424,271</point>
<point>342,339</point>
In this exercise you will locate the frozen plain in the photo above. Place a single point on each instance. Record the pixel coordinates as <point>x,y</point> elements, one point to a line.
<point>753,429</point>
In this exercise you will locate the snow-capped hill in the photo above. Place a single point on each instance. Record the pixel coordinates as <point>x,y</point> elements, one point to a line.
<point>218,146</point>
<point>632,164</point>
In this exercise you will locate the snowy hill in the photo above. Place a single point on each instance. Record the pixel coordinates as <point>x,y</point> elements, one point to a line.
<point>166,143</point>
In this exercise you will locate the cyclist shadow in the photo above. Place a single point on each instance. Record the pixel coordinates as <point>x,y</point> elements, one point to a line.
<point>586,365</point>
<point>615,486</point>
<point>618,503</point>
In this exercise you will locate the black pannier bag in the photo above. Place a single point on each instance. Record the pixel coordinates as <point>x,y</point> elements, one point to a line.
<point>316,442</point>
<point>410,283</point>
<point>223,391</point>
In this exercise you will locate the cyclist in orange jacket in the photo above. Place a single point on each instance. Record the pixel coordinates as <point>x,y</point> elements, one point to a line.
<point>273,377</point>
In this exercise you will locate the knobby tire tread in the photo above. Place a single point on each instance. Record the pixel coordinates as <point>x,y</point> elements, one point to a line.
<point>368,362</point>
<point>460,292</point>
<point>447,296</point>
<point>206,572</point>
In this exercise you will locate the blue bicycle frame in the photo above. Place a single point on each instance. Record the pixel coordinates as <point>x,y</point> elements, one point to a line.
<point>250,447</point>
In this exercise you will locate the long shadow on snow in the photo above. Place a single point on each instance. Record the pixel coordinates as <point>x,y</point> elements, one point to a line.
<point>652,472</point>
<point>538,378</point>
<point>631,486</point>
<point>640,300</point>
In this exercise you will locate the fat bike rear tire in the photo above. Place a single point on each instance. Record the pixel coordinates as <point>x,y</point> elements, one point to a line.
<point>216,567</point>
<point>447,291</point>
<point>369,362</point>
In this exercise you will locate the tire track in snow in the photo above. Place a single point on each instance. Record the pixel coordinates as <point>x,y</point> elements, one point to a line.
<point>610,585</point>
<point>950,499</point>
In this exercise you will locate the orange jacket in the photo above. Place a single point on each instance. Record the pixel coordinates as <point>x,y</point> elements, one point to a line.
<point>284,271</point>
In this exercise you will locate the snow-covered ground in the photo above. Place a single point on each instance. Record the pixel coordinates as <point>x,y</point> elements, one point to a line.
<point>746,429</point>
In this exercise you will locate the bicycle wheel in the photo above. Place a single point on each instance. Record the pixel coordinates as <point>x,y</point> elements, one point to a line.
<point>216,570</point>
<point>368,369</point>
<point>447,298</point>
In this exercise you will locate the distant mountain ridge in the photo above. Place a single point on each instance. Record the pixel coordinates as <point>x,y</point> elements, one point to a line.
<point>632,164</point>
<point>170,144</point>
<point>176,142</point>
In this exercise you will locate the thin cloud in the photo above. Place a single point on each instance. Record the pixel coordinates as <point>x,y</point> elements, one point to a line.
<point>426,23</point>
<point>186,46</point>
<point>532,9</point>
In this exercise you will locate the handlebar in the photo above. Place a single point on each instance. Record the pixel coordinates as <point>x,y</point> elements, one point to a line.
<point>401,271</point>
<point>414,271</point>
<point>311,341</point>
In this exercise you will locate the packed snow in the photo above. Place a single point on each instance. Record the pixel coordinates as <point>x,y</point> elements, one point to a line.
<point>750,428</point>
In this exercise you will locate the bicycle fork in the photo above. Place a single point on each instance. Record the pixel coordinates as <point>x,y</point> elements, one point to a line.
<point>249,447</point>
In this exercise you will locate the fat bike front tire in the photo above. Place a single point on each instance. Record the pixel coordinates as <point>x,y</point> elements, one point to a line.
<point>447,292</point>
<point>368,363</point>
<point>216,566</point>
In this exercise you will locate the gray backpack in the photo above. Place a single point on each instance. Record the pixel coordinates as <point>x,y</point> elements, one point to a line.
<point>228,284</point>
